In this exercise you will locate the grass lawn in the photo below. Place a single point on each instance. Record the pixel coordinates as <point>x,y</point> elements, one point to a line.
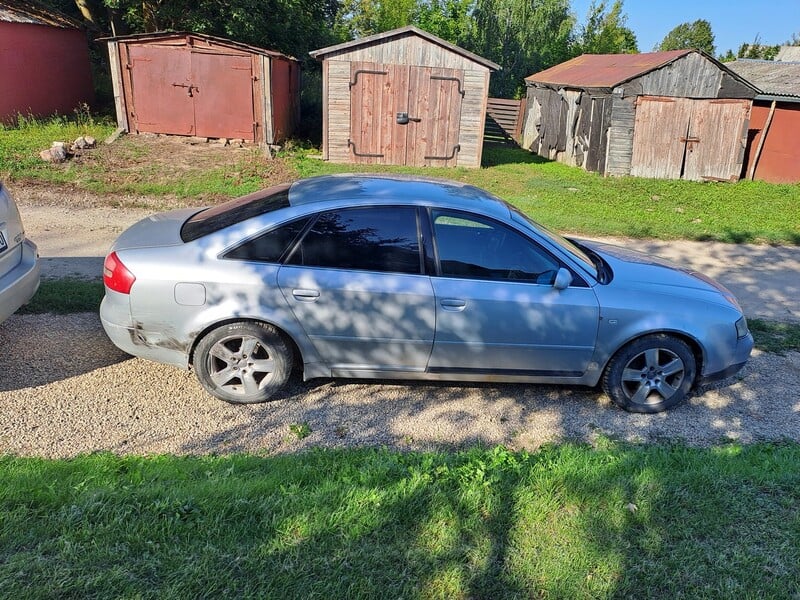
<point>563,522</point>
<point>565,198</point>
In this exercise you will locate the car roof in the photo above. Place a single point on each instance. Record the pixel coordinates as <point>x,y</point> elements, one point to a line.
<point>355,189</point>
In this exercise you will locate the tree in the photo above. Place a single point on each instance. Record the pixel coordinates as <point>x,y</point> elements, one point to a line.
<point>522,36</point>
<point>696,36</point>
<point>605,31</point>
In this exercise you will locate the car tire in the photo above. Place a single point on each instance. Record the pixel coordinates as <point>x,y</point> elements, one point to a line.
<point>650,374</point>
<point>244,362</point>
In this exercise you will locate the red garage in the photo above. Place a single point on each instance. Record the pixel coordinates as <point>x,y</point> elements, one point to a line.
<point>44,61</point>
<point>199,85</point>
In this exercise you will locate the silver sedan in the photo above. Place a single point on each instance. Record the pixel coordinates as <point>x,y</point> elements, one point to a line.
<point>390,277</point>
<point>19,259</point>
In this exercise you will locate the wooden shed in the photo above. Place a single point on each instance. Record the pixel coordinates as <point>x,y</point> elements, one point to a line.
<point>669,115</point>
<point>773,141</point>
<point>44,61</point>
<point>199,85</point>
<point>403,97</point>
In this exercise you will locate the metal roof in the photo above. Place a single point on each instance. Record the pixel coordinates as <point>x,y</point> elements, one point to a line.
<point>159,35</point>
<point>33,13</point>
<point>404,31</point>
<point>604,70</point>
<point>773,78</point>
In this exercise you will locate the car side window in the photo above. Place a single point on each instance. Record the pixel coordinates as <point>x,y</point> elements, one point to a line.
<point>472,247</point>
<point>381,239</point>
<point>270,246</point>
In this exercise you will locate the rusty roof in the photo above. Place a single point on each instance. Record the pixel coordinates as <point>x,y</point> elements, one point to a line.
<point>402,32</point>
<point>33,13</point>
<point>771,77</point>
<point>604,70</point>
<point>161,35</point>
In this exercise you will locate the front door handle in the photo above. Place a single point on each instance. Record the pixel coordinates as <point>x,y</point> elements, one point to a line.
<point>453,304</point>
<point>305,295</point>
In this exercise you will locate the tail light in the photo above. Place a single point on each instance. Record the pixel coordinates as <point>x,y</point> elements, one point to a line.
<point>116,275</point>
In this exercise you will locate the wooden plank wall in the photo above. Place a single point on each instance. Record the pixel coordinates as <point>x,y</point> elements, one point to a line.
<point>620,134</point>
<point>408,50</point>
<point>504,120</point>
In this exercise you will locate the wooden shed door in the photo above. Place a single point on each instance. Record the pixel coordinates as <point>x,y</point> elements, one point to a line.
<point>682,138</point>
<point>405,115</point>
<point>180,91</point>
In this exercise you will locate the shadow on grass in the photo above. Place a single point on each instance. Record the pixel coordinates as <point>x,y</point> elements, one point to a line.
<point>495,154</point>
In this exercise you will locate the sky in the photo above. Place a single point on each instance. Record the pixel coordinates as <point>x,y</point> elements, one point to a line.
<point>733,22</point>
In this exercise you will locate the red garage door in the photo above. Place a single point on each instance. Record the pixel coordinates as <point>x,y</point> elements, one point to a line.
<point>184,91</point>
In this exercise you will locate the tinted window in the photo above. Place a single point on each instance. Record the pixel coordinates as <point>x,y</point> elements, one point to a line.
<point>369,239</point>
<point>269,246</point>
<point>473,247</point>
<point>235,211</point>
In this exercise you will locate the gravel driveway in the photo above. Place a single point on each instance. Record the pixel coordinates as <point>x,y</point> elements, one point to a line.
<point>65,389</point>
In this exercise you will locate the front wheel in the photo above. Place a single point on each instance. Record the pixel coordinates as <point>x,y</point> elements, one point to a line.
<point>243,363</point>
<point>650,374</point>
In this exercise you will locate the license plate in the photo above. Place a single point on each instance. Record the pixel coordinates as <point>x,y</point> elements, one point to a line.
<point>3,244</point>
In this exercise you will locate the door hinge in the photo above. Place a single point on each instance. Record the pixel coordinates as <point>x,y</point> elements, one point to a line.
<point>363,154</point>
<point>456,150</point>
<point>368,71</point>
<point>456,79</point>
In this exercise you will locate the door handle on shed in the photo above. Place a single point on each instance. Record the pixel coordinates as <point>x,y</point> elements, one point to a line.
<point>305,295</point>
<point>453,304</point>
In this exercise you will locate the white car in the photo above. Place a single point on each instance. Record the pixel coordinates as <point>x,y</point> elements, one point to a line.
<point>19,259</point>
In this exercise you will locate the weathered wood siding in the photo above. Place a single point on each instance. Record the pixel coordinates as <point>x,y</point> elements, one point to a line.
<point>412,51</point>
<point>695,139</point>
<point>587,128</point>
<point>620,134</point>
<point>693,76</point>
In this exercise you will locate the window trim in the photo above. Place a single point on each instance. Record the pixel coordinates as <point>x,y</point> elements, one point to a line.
<point>316,216</point>
<point>310,219</point>
<point>577,279</point>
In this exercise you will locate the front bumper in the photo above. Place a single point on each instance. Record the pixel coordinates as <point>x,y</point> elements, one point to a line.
<point>743,348</point>
<point>19,285</point>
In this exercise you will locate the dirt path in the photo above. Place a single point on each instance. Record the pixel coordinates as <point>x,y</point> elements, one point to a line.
<point>74,239</point>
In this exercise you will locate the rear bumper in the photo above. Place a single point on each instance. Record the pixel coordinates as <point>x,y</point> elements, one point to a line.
<point>19,285</point>
<point>132,339</point>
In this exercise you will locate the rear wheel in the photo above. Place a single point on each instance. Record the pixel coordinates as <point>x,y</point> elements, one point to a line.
<point>243,362</point>
<point>650,374</point>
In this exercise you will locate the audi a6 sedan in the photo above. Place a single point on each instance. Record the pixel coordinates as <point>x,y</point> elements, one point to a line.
<point>19,259</point>
<point>374,276</point>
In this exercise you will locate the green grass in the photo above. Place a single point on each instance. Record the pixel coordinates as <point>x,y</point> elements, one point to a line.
<point>64,296</point>
<point>772,336</point>
<point>563,522</point>
<point>21,143</point>
<point>565,198</point>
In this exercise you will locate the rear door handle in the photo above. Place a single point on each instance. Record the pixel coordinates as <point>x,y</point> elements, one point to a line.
<point>305,295</point>
<point>453,304</point>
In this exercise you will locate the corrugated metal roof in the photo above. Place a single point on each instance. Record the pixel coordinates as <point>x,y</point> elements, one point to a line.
<point>160,35</point>
<point>395,33</point>
<point>16,11</point>
<point>771,77</point>
<point>604,70</point>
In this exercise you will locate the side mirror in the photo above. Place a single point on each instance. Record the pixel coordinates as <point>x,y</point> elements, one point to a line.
<point>563,279</point>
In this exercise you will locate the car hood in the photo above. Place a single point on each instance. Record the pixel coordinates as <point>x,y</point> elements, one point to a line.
<point>163,229</point>
<point>636,270</point>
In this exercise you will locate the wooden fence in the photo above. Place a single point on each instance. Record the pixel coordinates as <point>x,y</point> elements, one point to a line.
<point>504,119</point>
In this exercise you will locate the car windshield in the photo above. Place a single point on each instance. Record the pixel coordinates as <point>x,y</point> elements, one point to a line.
<point>557,239</point>
<point>235,211</point>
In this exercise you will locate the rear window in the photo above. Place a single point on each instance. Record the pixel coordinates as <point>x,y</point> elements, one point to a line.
<point>235,211</point>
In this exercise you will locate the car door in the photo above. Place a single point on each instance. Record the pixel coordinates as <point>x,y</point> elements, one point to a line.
<point>355,283</point>
<point>497,310</point>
